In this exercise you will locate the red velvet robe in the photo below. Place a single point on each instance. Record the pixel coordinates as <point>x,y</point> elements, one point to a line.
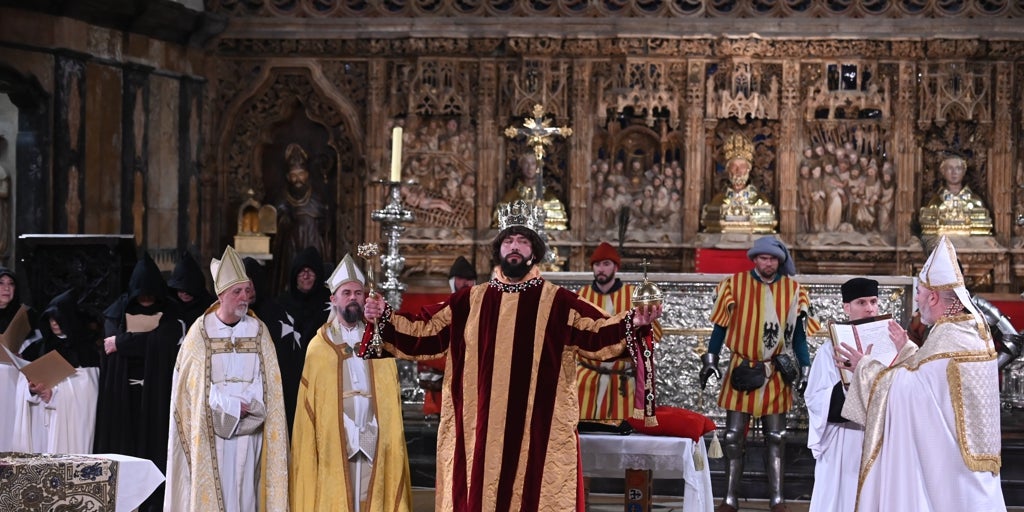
<point>507,437</point>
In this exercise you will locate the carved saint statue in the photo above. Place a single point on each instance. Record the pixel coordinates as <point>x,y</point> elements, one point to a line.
<point>955,209</point>
<point>301,213</point>
<point>526,186</point>
<point>740,208</point>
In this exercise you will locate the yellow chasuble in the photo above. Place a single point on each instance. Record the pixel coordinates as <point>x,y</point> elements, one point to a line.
<point>320,478</point>
<point>193,477</point>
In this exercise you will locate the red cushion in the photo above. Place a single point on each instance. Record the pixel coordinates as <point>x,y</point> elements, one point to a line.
<point>675,422</point>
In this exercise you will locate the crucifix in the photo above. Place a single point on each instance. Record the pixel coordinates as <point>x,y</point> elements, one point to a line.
<point>539,133</point>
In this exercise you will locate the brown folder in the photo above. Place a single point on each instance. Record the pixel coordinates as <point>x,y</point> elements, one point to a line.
<point>17,330</point>
<point>48,370</point>
<point>142,323</point>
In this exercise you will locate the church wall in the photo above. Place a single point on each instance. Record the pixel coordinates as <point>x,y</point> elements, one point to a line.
<point>674,99</point>
<point>122,152</point>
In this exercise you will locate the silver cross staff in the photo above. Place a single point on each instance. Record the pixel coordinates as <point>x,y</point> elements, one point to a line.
<point>369,252</point>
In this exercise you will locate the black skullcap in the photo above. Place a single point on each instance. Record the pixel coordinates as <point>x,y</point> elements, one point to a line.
<point>859,287</point>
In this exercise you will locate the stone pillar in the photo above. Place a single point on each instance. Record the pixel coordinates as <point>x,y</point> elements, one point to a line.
<point>1001,173</point>
<point>487,134</point>
<point>907,160</point>
<point>786,162</point>
<point>69,142</point>
<point>134,149</point>
<point>580,156</point>
<point>190,142</point>
<point>694,136</point>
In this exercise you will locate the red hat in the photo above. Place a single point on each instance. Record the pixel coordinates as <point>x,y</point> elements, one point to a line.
<point>605,251</point>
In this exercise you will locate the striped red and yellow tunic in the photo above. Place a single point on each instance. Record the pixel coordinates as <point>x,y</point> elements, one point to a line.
<point>760,319</point>
<point>615,403</point>
<point>507,437</point>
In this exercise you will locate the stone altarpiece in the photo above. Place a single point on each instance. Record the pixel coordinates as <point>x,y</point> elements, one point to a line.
<point>649,114</point>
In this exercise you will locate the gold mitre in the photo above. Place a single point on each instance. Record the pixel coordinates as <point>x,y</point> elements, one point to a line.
<point>738,146</point>
<point>347,272</point>
<point>528,214</point>
<point>227,271</point>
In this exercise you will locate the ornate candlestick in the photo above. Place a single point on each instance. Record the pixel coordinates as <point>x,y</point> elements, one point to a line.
<point>391,218</point>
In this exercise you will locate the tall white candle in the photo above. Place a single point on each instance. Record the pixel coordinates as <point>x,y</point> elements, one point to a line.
<point>396,154</point>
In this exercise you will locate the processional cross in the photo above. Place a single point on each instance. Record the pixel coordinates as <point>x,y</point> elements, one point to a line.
<point>538,132</point>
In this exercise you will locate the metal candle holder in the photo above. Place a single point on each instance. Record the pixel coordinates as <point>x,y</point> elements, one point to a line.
<point>391,218</point>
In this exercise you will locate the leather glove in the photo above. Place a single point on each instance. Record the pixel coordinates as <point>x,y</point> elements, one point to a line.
<point>709,367</point>
<point>801,381</point>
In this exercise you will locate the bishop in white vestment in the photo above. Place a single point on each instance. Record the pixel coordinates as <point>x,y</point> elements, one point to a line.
<point>931,422</point>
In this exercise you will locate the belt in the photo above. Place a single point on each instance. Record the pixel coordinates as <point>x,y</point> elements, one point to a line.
<point>629,371</point>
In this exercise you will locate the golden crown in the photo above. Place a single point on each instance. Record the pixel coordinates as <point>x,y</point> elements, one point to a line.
<point>738,146</point>
<point>528,214</point>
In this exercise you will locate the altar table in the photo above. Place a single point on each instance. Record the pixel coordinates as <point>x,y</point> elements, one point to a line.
<point>607,455</point>
<point>31,481</point>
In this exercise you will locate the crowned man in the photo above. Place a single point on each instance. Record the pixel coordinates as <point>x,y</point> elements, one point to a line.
<point>606,387</point>
<point>348,444</point>
<point>507,436</point>
<point>228,446</point>
<point>932,438</point>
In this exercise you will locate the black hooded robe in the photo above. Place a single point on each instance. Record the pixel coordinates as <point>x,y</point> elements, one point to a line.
<point>291,351</point>
<point>134,419</point>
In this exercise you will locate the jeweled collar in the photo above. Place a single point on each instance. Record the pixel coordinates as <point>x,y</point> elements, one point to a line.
<point>506,285</point>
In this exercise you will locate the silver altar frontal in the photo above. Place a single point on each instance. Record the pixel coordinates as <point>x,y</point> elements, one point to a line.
<point>686,328</point>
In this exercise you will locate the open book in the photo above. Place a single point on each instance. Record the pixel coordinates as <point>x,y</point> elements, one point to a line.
<point>47,371</point>
<point>864,333</point>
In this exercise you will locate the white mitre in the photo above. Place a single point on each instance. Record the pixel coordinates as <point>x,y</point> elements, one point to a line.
<point>227,271</point>
<point>942,272</point>
<point>346,272</point>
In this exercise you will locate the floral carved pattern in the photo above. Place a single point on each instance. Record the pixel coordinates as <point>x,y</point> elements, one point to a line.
<point>621,8</point>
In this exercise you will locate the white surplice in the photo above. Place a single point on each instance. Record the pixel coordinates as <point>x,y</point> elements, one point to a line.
<point>9,403</point>
<point>236,378</point>
<point>836,447</point>
<point>64,425</point>
<point>359,416</point>
<point>932,426</point>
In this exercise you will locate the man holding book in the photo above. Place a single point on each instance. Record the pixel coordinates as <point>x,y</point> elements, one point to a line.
<point>932,434</point>
<point>835,441</point>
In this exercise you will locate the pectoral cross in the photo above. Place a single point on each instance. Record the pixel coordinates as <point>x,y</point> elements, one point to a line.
<point>538,132</point>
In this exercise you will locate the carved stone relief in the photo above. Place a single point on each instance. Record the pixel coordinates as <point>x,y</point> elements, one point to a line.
<point>439,153</point>
<point>743,90</point>
<point>629,8</point>
<point>956,91</point>
<point>636,186</point>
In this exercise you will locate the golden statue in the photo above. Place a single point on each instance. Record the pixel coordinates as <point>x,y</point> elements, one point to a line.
<point>525,188</point>
<point>740,208</point>
<point>256,223</point>
<point>955,209</point>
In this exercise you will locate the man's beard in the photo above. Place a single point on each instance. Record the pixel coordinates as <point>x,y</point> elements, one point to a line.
<point>297,190</point>
<point>352,313</point>
<point>516,270</point>
<point>241,310</point>
<point>604,279</point>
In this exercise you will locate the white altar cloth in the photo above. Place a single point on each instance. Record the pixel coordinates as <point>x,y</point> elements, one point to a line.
<point>609,456</point>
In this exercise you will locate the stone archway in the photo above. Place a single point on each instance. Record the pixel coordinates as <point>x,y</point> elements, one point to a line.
<point>252,131</point>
